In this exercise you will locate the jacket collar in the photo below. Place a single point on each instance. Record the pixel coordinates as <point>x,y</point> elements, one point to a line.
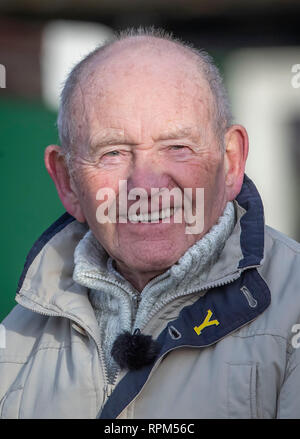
<point>252,225</point>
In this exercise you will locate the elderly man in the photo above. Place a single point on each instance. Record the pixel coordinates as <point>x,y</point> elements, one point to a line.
<point>146,316</point>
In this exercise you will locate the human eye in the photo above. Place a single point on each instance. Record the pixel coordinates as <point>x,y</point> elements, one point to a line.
<point>178,147</point>
<point>114,156</point>
<point>180,151</point>
<point>111,153</point>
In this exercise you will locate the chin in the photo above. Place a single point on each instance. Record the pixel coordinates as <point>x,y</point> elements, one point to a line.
<point>159,260</point>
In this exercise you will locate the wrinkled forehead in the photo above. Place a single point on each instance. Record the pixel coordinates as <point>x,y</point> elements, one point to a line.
<point>155,83</point>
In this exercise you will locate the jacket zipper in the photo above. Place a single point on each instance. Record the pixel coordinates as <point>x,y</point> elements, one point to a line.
<point>107,391</point>
<point>108,388</point>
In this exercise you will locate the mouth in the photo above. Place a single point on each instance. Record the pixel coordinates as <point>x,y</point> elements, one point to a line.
<point>152,217</point>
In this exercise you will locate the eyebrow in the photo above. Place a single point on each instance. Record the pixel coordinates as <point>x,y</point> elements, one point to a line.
<point>178,133</point>
<point>109,136</point>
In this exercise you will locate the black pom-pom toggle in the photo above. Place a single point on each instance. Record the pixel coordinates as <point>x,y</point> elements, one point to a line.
<point>133,351</point>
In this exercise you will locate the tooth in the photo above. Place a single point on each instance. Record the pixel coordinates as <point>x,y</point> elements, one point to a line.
<point>133,218</point>
<point>167,213</point>
<point>154,216</point>
<point>144,217</point>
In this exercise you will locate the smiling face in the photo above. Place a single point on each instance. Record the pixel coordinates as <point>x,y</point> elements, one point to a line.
<point>149,122</point>
<point>146,116</point>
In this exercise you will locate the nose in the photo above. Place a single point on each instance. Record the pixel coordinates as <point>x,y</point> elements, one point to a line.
<point>147,173</point>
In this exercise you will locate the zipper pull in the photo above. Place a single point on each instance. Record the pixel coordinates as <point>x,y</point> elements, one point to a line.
<point>107,391</point>
<point>137,299</point>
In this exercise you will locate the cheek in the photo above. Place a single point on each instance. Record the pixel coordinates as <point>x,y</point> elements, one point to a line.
<point>90,182</point>
<point>199,173</point>
<point>213,181</point>
<point>207,174</point>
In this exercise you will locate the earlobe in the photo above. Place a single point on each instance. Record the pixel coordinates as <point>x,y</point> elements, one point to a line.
<point>236,140</point>
<point>56,166</point>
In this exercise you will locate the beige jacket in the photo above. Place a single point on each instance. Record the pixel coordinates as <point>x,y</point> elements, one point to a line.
<point>229,349</point>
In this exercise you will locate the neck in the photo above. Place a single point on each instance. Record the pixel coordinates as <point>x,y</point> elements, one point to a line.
<point>138,279</point>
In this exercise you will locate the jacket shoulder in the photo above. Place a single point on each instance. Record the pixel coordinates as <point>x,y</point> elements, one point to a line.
<point>21,328</point>
<point>280,271</point>
<point>19,331</point>
<point>282,240</point>
<point>280,266</point>
<point>26,332</point>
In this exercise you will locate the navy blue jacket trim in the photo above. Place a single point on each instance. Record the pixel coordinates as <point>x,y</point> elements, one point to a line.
<point>229,306</point>
<point>252,225</point>
<point>56,227</point>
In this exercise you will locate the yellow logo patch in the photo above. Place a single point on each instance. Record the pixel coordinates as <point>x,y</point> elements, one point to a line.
<point>206,322</point>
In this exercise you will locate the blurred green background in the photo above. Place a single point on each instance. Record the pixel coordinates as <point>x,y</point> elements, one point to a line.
<point>29,202</point>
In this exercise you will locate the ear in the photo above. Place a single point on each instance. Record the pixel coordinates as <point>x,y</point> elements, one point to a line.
<point>56,166</point>
<point>237,144</point>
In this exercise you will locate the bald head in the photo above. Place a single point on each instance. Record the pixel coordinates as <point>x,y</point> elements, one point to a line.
<point>140,55</point>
